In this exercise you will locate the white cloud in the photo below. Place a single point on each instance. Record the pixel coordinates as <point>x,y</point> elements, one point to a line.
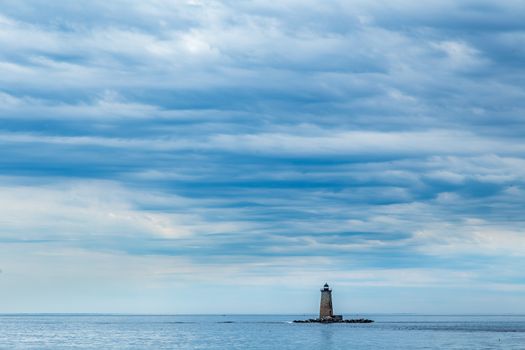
<point>471,236</point>
<point>461,55</point>
<point>366,142</point>
<point>81,211</point>
<point>322,143</point>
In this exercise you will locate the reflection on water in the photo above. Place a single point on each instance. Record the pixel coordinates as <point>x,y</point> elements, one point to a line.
<point>327,335</point>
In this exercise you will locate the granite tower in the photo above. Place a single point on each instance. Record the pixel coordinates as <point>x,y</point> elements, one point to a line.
<point>326,309</point>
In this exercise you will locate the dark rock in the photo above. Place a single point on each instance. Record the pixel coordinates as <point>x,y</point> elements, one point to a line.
<point>317,320</point>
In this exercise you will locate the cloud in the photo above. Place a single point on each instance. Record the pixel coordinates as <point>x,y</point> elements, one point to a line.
<point>378,144</point>
<point>323,142</point>
<point>473,236</point>
<point>83,213</point>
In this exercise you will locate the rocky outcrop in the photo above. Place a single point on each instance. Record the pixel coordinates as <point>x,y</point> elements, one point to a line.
<point>333,320</point>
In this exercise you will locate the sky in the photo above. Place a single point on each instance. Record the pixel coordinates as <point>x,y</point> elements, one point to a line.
<point>199,156</point>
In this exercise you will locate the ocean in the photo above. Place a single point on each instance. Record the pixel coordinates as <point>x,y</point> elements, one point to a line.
<point>274,332</point>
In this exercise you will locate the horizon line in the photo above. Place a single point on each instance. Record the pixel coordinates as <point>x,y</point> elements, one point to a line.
<point>245,314</point>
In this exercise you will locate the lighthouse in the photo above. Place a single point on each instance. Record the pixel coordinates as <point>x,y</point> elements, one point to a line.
<point>326,310</point>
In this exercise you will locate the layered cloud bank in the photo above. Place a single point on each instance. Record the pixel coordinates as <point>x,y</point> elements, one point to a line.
<point>203,144</point>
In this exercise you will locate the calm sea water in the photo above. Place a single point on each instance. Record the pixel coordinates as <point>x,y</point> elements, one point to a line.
<point>258,332</point>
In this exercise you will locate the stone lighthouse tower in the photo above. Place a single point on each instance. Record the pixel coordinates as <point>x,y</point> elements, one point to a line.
<point>326,310</point>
